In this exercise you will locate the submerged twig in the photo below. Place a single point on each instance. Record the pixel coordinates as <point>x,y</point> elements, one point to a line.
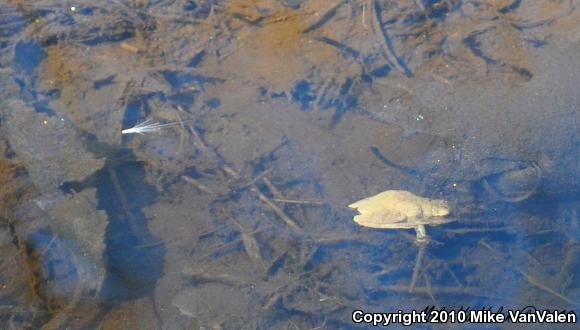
<point>417,267</point>
<point>210,277</point>
<point>474,291</point>
<point>196,184</point>
<point>181,135</point>
<point>325,18</point>
<point>406,170</point>
<point>272,301</point>
<point>364,15</point>
<point>462,231</point>
<point>10,259</point>
<point>295,201</point>
<point>533,281</point>
<point>252,248</point>
<point>253,187</point>
<point>279,212</point>
<point>275,191</point>
<point>345,49</point>
<point>386,41</point>
<point>430,288</point>
<point>250,243</point>
<point>541,286</point>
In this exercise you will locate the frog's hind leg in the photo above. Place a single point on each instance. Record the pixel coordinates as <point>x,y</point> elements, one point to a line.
<point>421,234</point>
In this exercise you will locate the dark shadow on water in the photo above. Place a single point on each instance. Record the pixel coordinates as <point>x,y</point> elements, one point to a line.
<point>133,267</point>
<point>28,55</point>
<point>134,258</point>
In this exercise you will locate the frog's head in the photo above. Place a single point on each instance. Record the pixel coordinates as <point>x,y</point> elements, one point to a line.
<point>439,208</point>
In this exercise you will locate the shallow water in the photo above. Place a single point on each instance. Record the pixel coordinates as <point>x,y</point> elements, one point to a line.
<point>280,114</point>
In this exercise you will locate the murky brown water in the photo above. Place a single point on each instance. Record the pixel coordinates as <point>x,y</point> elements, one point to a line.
<point>280,114</point>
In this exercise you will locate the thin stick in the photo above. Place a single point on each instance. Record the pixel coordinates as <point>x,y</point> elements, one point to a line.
<point>364,14</point>
<point>420,4</point>
<point>253,187</point>
<point>386,42</point>
<point>273,300</point>
<point>279,212</point>
<point>150,245</point>
<point>209,277</point>
<point>196,184</point>
<point>324,18</point>
<point>200,144</point>
<point>123,200</point>
<point>250,243</point>
<point>461,231</point>
<point>254,180</point>
<point>10,259</point>
<point>437,290</point>
<point>541,286</point>
<point>295,201</point>
<point>181,135</point>
<point>453,274</point>
<point>535,282</point>
<point>429,288</point>
<point>417,267</point>
<point>273,188</point>
<point>226,245</point>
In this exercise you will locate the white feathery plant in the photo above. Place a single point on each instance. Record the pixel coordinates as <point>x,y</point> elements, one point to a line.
<point>147,126</point>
